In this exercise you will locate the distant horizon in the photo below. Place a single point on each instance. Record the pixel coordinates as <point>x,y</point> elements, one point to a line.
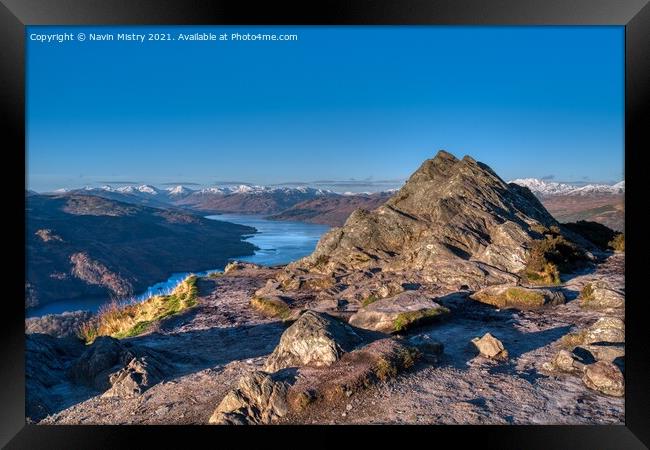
<point>348,105</point>
<point>352,186</point>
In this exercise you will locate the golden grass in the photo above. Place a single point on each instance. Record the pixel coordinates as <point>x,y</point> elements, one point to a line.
<point>271,307</point>
<point>520,296</point>
<point>121,321</point>
<point>618,243</point>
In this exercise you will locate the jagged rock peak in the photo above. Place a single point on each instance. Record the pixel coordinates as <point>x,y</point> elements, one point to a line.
<point>453,216</point>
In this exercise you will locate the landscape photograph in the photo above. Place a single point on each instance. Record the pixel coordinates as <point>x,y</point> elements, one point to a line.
<point>325,225</point>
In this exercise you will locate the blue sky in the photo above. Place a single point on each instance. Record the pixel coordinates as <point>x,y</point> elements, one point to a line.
<point>341,103</point>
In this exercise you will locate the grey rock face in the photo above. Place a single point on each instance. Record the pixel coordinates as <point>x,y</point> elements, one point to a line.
<point>396,313</point>
<point>455,215</point>
<point>258,398</point>
<point>314,339</point>
<point>448,209</point>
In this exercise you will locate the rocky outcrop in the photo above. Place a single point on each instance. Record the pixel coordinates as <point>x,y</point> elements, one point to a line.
<point>451,213</point>
<point>604,377</point>
<point>118,369</point>
<point>490,347</point>
<point>395,314</point>
<point>314,339</point>
<point>519,297</point>
<point>258,398</point>
<point>263,398</point>
<point>357,370</point>
<point>600,295</point>
<point>46,360</point>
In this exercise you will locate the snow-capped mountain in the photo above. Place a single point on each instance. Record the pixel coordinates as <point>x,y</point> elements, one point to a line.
<point>178,191</point>
<point>549,188</point>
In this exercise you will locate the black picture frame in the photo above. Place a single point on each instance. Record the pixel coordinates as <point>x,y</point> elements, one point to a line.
<point>634,15</point>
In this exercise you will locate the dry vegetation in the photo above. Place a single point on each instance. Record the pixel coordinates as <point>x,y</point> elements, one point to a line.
<point>550,256</point>
<point>121,321</point>
<point>271,307</point>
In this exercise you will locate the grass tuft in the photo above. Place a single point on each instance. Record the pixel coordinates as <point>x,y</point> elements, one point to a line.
<point>523,297</point>
<point>127,320</point>
<point>618,243</point>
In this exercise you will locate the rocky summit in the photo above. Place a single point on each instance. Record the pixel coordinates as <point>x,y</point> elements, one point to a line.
<point>460,300</point>
<point>452,216</point>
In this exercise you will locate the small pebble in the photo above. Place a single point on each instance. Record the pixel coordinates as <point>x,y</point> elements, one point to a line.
<point>349,407</point>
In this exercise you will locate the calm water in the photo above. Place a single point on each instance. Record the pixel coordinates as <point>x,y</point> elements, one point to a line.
<point>279,243</point>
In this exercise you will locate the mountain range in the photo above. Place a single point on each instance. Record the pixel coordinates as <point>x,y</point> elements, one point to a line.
<point>567,202</point>
<point>549,188</point>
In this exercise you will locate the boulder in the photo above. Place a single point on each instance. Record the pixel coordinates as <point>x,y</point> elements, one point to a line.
<point>258,398</point>
<point>605,329</point>
<point>314,339</point>
<point>138,375</point>
<point>118,369</point>
<point>600,295</point>
<point>573,361</point>
<point>394,314</point>
<point>95,364</point>
<point>606,351</point>
<point>604,377</point>
<point>490,347</point>
<point>519,297</point>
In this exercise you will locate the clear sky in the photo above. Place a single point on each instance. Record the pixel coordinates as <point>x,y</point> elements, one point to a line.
<point>340,103</point>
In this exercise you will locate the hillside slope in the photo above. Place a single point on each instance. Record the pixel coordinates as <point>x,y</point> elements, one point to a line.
<point>83,246</point>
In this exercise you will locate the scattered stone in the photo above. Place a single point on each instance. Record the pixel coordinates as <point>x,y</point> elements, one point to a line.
<point>518,297</point>
<point>258,398</point>
<point>398,313</point>
<point>314,339</point>
<point>490,347</point>
<point>604,377</point>
<point>573,361</point>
